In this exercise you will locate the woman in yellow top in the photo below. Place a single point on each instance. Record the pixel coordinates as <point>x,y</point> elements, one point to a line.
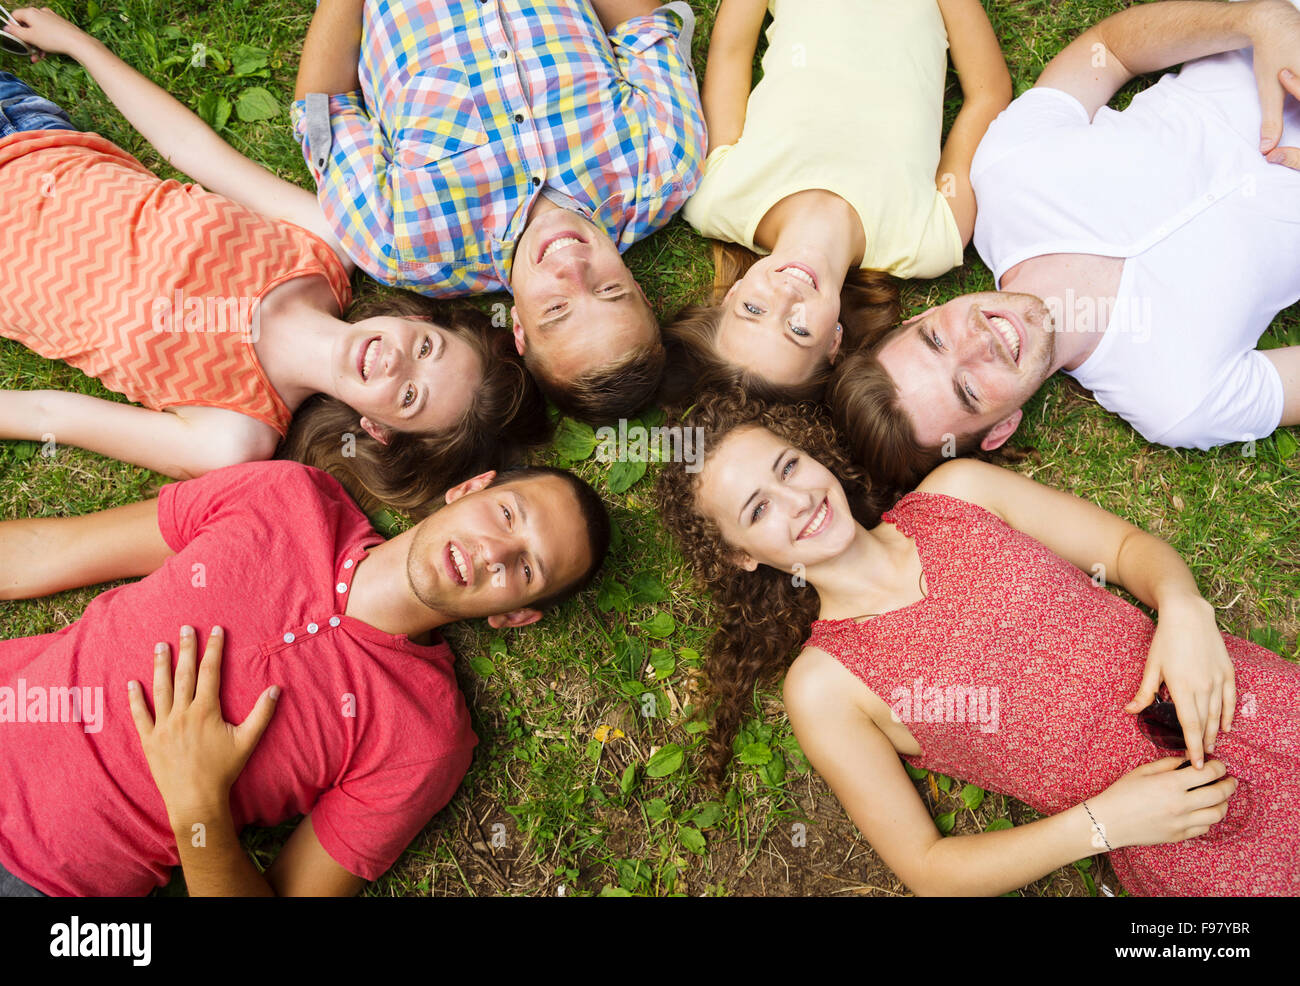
<point>831,165</point>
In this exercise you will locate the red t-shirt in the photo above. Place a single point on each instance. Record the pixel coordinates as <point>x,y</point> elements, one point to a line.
<point>371,735</point>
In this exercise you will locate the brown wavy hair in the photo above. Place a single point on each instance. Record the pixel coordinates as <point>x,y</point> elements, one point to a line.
<point>869,307</point>
<point>409,474</point>
<point>762,616</point>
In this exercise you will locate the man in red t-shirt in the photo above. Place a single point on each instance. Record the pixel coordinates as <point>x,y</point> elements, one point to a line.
<point>370,735</point>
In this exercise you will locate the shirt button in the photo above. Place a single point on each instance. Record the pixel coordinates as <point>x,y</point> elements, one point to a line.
<point>348,563</point>
<point>536,181</point>
<point>288,638</point>
<point>519,118</point>
<point>342,587</point>
<point>503,54</point>
<point>312,628</point>
<point>334,621</point>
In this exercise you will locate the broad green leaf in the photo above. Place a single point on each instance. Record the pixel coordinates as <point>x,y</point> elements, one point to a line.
<point>773,772</point>
<point>695,726</point>
<point>944,782</point>
<point>945,821</point>
<point>628,781</point>
<point>593,749</point>
<point>665,761</point>
<point>660,625</point>
<point>574,440</point>
<point>972,797</point>
<point>246,59</point>
<point>612,597</point>
<point>497,647</point>
<point>657,809</point>
<point>1284,443</point>
<point>705,815</point>
<point>256,104</point>
<point>755,754</point>
<point>689,656</point>
<point>916,773</point>
<point>214,110</point>
<point>482,666</point>
<point>608,891</point>
<point>216,59</point>
<point>998,824</point>
<point>663,661</point>
<point>692,839</point>
<point>624,475</point>
<point>646,588</point>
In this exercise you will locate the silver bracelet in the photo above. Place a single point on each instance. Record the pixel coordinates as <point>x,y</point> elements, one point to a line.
<point>1097,831</point>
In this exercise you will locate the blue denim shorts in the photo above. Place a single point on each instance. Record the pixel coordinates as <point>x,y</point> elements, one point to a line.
<point>23,109</point>
<point>11,886</point>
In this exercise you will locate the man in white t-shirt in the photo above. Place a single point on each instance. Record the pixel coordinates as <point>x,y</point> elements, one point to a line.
<point>1143,252</point>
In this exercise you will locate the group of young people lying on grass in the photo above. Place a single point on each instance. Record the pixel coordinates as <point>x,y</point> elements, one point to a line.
<point>523,146</point>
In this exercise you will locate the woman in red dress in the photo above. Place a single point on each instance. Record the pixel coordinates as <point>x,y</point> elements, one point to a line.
<point>968,630</point>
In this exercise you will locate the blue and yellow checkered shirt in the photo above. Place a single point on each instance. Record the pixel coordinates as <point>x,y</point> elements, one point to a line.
<point>469,110</point>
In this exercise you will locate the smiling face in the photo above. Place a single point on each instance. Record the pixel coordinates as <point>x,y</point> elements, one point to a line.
<point>780,320</point>
<point>577,306</point>
<point>774,504</point>
<point>967,366</point>
<point>496,550</point>
<point>405,374</point>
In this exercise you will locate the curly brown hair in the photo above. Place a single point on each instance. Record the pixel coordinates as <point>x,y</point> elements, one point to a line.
<point>869,307</point>
<point>762,615</point>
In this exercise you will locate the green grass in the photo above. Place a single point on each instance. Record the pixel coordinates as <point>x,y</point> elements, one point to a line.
<point>546,809</point>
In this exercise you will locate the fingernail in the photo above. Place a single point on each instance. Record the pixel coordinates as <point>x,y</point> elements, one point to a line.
<point>216,631</point>
<point>1275,158</point>
<point>187,631</point>
<point>275,692</point>
<point>132,686</point>
<point>1288,74</point>
<point>160,648</point>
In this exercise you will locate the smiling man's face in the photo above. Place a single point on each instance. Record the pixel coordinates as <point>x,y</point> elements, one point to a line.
<point>969,365</point>
<point>577,306</point>
<point>495,550</point>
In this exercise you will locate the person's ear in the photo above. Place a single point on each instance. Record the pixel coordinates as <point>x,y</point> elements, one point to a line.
<point>837,341</point>
<point>1001,431</point>
<point>731,291</point>
<point>378,432</point>
<point>472,485</point>
<point>518,331</point>
<point>515,618</point>
<point>742,560</point>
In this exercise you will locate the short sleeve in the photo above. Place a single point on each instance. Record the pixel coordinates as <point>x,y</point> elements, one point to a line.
<point>652,56</point>
<point>366,822</point>
<point>245,491</point>
<point>1245,403</point>
<point>348,117</point>
<point>1027,120</point>
<point>673,22</point>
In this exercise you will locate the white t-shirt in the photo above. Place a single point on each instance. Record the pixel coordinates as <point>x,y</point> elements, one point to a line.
<point>1208,229</point>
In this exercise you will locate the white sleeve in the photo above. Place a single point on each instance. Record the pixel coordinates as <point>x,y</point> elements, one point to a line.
<point>1029,117</point>
<point>1245,403</point>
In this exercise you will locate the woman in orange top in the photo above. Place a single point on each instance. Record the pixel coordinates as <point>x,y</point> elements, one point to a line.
<point>218,309</point>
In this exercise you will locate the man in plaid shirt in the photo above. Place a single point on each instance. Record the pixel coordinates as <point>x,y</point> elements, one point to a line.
<point>518,145</point>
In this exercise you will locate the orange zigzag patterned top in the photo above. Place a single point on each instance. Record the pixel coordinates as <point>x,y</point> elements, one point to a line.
<point>151,286</point>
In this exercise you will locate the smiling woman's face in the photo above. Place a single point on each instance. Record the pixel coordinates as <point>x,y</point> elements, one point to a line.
<point>406,374</point>
<point>773,503</point>
<point>780,321</point>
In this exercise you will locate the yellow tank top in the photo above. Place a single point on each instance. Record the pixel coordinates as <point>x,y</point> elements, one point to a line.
<point>851,101</point>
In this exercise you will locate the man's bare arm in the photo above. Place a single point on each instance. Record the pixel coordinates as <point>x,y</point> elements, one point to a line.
<point>612,13</point>
<point>331,53</point>
<point>46,555</point>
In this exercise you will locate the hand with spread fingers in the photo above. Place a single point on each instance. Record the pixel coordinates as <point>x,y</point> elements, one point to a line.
<point>1188,654</point>
<point>195,756</point>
